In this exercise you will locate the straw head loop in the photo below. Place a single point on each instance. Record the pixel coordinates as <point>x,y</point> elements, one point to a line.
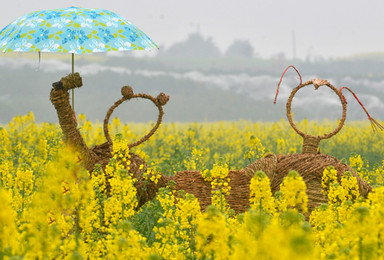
<point>278,86</point>
<point>311,142</point>
<point>128,94</point>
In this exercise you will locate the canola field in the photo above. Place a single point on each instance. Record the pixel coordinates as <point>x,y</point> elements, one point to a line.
<point>52,209</point>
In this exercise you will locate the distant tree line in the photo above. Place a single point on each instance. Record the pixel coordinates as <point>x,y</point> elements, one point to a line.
<point>197,46</point>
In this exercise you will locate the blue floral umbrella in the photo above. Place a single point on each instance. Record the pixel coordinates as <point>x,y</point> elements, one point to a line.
<point>73,30</point>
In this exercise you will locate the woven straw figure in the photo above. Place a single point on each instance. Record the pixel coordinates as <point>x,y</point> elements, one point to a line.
<point>310,163</point>
<point>101,154</point>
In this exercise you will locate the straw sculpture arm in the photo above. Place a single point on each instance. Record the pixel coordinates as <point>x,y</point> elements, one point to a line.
<point>59,97</point>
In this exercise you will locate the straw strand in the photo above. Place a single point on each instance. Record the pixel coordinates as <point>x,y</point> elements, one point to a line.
<point>376,126</point>
<point>278,86</point>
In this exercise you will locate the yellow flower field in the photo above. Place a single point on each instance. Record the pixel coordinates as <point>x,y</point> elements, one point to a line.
<point>52,209</point>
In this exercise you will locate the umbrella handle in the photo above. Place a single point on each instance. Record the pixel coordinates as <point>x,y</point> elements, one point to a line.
<point>128,94</point>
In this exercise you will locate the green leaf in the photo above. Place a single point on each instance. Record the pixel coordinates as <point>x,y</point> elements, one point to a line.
<point>50,36</point>
<point>122,36</point>
<point>96,37</point>
<point>33,31</point>
<point>103,24</point>
<point>76,25</point>
<point>59,32</point>
<point>89,36</point>
<point>120,31</point>
<point>94,31</point>
<point>29,37</point>
<point>48,25</point>
<point>115,35</point>
<point>57,37</point>
<point>23,35</point>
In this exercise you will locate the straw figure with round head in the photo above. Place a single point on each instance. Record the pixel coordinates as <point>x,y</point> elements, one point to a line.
<point>310,164</point>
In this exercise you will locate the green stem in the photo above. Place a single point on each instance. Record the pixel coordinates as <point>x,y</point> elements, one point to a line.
<point>360,248</point>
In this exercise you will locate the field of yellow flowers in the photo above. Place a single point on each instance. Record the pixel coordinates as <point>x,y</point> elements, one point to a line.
<point>52,209</point>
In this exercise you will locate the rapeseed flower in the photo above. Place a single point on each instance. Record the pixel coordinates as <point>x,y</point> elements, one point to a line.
<point>260,193</point>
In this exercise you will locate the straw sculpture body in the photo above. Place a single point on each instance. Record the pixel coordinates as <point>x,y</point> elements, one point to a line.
<point>101,154</point>
<point>310,164</point>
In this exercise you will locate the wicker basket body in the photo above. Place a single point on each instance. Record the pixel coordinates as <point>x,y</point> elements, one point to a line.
<point>310,167</point>
<point>192,182</point>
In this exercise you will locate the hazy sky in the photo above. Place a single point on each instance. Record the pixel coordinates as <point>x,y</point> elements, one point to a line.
<point>321,28</point>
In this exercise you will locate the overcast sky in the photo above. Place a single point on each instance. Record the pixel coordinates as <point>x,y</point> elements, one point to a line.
<point>321,28</point>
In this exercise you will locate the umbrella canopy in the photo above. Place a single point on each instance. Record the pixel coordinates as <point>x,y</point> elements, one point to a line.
<point>73,30</point>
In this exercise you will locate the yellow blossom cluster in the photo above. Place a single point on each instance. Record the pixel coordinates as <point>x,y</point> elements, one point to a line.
<point>260,193</point>
<point>196,160</point>
<point>218,177</point>
<point>151,174</point>
<point>257,150</point>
